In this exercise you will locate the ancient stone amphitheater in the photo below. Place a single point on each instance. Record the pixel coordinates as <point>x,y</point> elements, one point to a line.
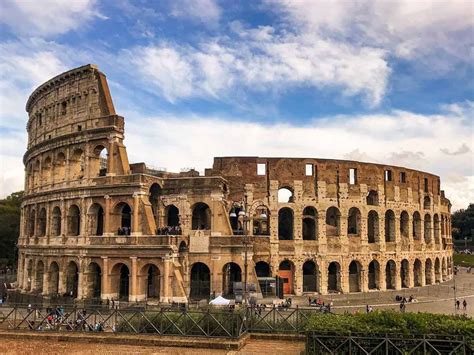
<point>96,226</point>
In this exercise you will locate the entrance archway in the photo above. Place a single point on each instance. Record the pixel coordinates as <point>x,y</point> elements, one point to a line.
<point>231,273</point>
<point>417,273</point>
<point>72,279</point>
<point>200,281</point>
<point>405,273</point>
<point>334,277</point>
<point>96,219</point>
<point>286,271</point>
<point>124,283</point>
<point>201,218</point>
<point>390,274</point>
<point>354,276</point>
<point>285,224</point>
<point>94,277</point>
<point>310,276</point>
<point>374,275</point>
<point>428,272</point>
<point>53,282</point>
<point>152,289</point>
<point>39,277</point>
<point>437,271</point>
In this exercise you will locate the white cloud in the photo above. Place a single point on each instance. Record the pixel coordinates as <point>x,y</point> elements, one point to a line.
<point>47,17</point>
<point>206,11</point>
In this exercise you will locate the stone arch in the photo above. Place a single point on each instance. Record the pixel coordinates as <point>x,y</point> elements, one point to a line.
<point>428,272</point>
<point>390,275</point>
<point>154,195</point>
<point>56,221</point>
<point>39,276</point>
<point>437,267</point>
<point>95,218</point>
<point>372,227</point>
<point>310,276</point>
<point>46,169</point>
<point>389,226</point>
<point>201,218</point>
<point>417,273</point>
<point>36,173</point>
<point>286,271</point>
<point>30,177</point>
<point>426,203</point>
<point>123,218</point>
<point>404,224</point>
<point>120,281</point>
<point>405,273</point>
<point>172,216</point>
<point>334,277</point>
<point>372,198</point>
<point>76,164</point>
<point>436,226</point>
<point>374,275</point>
<point>285,223</point>
<point>53,278</point>
<point>354,222</point>
<point>42,222</point>
<point>261,220</point>
<point>285,195</point>
<point>74,221</point>
<point>416,226</point>
<point>200,281</point>
<point>72,279</point>
<point>98,161</point>
<point>29,275</point>
<point>333,222</point>
<point>94,281</point>
<point>310,223</point>
<point>31,223</point>
<point>150,277</point>
<point>427,228</point>
<point>60,167</point>
<point>262,269</point>
<point>231,272</point>
<point>355,274</point>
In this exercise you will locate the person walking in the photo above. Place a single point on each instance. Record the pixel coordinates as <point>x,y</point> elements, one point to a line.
<point>464,305</point>
<point>458,304</point>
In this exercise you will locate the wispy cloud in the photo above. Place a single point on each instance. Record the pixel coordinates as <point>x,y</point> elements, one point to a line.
<point>463,149</point>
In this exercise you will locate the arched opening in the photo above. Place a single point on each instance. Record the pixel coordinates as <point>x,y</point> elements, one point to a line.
<point>417,273</point>
<point>416,226</point>
<point>152,289</point>
<point>123,217</point>
<point>353,222</point>
<point>231,273</point>
<point>94,280</point>
<point>310,219</point>
<point>427,228</point>
<point>390,274</point>
<point>200,281</point>
<point>37,173</point>
<point>285,224</point>
<point>201,216</point>
<point>374,275</point>
<point>389,226</point>
<point>172,216</point>
<point>286,272</point>
<point>437,271</point>
<point>60,167</point>
<point>76,164</point>
<point>124,283</point>
<point>310,276</point>
<point>98,161</point>
<point>373,198</point>
<point>333,222</point>
<point>373,227</point>
<point>46,171</point>
<point>29,275</point>
<point>444,269</point>
<point>154,198</point>
<point>96,219</point>
<point>72,279</point>
<point>53,282</point>
<point>56,222</point>
<point>354,276</point>
<point>74,221</point>
<point>262,269</point>
<point>261,218</point>
<point>334,277</point>
<point>404,224</point>
<point>285,195</point>
<point>31,223</point>
<point>436,229</point>
<point>39,277</point>
<point>428,272</point>
<point>426,203</point>
<point>30,177</point>
<point>405,273</point>
<point>42,222</point>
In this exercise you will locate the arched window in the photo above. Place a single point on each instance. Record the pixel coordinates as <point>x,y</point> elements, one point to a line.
<point>76,164</point>
<point>427,228</point>
<point>261,219</point>
<point>74,220</point>
<point>98,161</point>
<point>285,195</point>
<point>154,198</point>
<point>285,224</point>
<point>36,173</point>
<point>390,274</point>
<point>404,223</point>
<point>334,277</point>
<point>60,167</point>
<point>354,276</point>
<point>72,279</point>
<point>172,216</point>
<point>426,203</point>
<point>56,221</point>
<point>46,171</point>
<point>417,273</point>
<point>31,223</point>
<point>416,226</point>
<point>333,222</point>
<point>389,226</point>
<point>201,216</point>
<point>310,276</point>
<point>42,222</point>
<point>353,222</point>
<point>436,228</point>
<point>200,281</point>
<point>373,227</point>
<point>374,275</point>
<point>373,198</point>
<point>310,223</point>
<point>123,218</point>
<point>95,220</point>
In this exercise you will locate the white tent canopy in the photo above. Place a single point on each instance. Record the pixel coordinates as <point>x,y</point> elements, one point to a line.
<point>220,301</point>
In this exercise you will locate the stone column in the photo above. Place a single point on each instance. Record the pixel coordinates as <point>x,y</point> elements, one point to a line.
<point>343,237</point>
<point>323,277</point>
<point>166,279</point>
<point>398,280</point>
<point>344,276</point>
<point>382,277</point>
<point>364,279</point>
<point>364,238</point>
<point>322,239</point>
<point>398,236</point>
<point>62,287</point>
<point>136,227</point>
<point>381,225</point>
<point>111,158</point>
<point>63,218</point>
<point>298,276</point>
<point>134,291</point>
<point>82,281</point>
<point>423,276</point>
<point>107,217</point>
<point>106,292</point>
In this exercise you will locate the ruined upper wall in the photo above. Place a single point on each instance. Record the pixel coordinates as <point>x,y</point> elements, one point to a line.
<point>70,102</point>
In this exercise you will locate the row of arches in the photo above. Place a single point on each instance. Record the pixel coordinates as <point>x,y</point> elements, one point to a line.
<point>56,168</point>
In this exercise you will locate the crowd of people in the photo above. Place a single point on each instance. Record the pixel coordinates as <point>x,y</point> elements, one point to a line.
<point>124,231</point>
<point>169,230</point>
<point>318,302</point>
<point>57,319</point>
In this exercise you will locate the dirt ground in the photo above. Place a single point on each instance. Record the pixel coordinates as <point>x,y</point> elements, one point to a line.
<point>262,347</point>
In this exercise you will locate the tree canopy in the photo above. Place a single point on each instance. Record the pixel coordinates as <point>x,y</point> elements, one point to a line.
<point>463,223</point>
<point>9,228</point>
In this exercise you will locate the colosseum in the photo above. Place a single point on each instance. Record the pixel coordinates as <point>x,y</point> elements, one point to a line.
<point>94,226</point>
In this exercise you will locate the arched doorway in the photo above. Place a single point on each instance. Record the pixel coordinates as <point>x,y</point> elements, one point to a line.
<point>72,279</point>
<point>309,223</point>
<point>416,226</point>
<point>94,280</point>
<point>334,277</point>
<point>200,281</point>
<point>374,275</point>
<point>286,271</point>
<point>428,272</point>
<point>285,224</point>
<point>417,273</point>
<point>74,221</point>
<point>372,227</point>
<point>353,222</point>
<point>390,274</point>
<point>56,222</point>
<point>354,276</point>
<point>444,269</point>
<point>154,198</point>
<point>405,273</point>
<point>404,224</point>
<point>437,271</point>
<point>124,283</point>
<point>42,222</point>
<point>152,282</point>
<point>310,276</point>
<point>39,277</point>
<point>201,216</point>
<point>389,226</point>
<point>123,218</point>
<point>231,273</point>
<point>373,198</point>
<point>53,282</point>
<point>172,216</point>
<point>427,228</point>
<point>96,219</point>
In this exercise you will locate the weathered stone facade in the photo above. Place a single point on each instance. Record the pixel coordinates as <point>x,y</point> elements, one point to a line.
<point>93,225</point>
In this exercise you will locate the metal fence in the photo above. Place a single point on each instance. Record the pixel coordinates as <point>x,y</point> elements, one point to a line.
<point>325,344</point>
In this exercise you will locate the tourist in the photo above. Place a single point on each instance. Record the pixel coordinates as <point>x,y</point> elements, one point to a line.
<point>457,304</point>
<point>464,305</point>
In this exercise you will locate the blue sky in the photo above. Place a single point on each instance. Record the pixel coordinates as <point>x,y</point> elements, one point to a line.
<point>381,81</point>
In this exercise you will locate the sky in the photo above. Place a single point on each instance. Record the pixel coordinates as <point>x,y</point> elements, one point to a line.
<point>370,80</point>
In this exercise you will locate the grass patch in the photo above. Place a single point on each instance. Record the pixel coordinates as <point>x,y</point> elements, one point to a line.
<point>463,260</point>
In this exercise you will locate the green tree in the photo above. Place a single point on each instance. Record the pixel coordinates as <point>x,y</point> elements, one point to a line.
<point>9,228</point>
<point>463,223</point>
